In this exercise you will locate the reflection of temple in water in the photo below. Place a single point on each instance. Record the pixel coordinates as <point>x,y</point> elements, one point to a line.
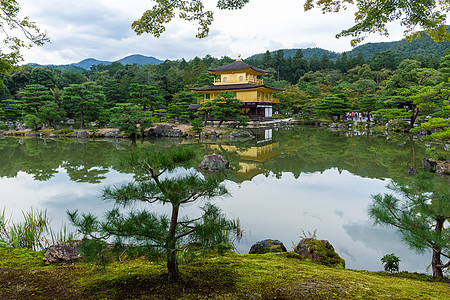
<point>250,156</point>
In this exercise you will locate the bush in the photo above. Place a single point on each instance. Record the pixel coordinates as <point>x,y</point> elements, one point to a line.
<point>390,262</point>
<point>65,131</point>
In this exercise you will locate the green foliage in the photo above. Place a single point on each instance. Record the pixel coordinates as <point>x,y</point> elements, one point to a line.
<point>153,235</point>
<point>436,128</point>
<point>33,96</point>
<point>50,113</point>
<point>225,107</point>
<point>386,114</point>
<point>19,32</point>
<point>33,234</point>
<point>390,262</point>
<point>242,120</point>
<point>32,121</point>
<point>333,105</point>
<point>420,211</point>
<point>130,118</point>
<point>65,131</point>
<point>11,109</point>
<point>85,100</point>
<point>146,96</point>
<point>197,125</point>
<point>372,16</point>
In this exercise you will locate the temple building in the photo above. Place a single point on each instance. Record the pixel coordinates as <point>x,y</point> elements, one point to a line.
<point>242,79</point>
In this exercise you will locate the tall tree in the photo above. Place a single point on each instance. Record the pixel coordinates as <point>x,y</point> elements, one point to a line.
<point>146,96</point>
<point>84,100</point>
<point>225,107</point>
<point>420,211</point>
<point>33,96</point>
<point>333,106</point>
<point>131,118</point>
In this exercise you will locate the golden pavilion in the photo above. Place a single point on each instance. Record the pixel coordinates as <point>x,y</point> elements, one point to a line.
<point>242,79</point>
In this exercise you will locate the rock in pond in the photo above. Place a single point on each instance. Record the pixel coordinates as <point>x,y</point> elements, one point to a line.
<point>241,134</point>
<point>163,129</point>
<point>111,133</point>
<point>267,246</point>
<point>213,162</point>
<point>320,251</point>
<point>62,253</point>
<point>80,134</point>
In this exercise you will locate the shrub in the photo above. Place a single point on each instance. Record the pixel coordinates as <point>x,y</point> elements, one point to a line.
<point>390,262</point>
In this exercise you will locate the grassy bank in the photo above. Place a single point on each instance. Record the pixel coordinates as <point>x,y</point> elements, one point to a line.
<point>233,276</point>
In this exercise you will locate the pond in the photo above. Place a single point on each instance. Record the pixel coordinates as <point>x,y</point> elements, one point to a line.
<point>283,184</point>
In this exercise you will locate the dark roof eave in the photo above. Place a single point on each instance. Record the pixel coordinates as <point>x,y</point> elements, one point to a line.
<point>232,87</point>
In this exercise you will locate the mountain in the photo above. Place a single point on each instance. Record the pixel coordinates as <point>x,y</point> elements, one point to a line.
<point>86,64</point>
<point>89,62</point>
<point>139,60</point>
<point>424,46</point>
<point>307,53</point>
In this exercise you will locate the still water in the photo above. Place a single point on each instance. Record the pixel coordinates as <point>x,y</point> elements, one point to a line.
<point>282,182</point>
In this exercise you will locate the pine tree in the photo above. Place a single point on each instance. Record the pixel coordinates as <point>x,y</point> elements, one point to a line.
<point>151,234</point>
<point>421,213</point>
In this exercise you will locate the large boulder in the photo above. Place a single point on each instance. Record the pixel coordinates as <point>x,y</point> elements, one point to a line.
<point>213,162</point>
<point>429,164</point>
<point>163,129</point>
<point>267,246</point>
<point>62,253</point>
<point>111,133</point>
<point>241,134</point>
<point>80,134</point>
<point>321,251</point>
<point>175,133</point>
<point>433,165</point>
<point>443,168</point>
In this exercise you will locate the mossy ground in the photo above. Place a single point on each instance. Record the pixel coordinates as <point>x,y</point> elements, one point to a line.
<point>232,276</point>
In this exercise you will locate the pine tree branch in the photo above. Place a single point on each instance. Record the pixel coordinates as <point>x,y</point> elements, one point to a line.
<point>444,266</point>
<point>184,234</point>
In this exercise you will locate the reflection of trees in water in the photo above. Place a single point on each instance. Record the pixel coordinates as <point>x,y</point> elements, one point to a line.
<point>84,162</point>
<point>311,150</point>
<point>295,150</point>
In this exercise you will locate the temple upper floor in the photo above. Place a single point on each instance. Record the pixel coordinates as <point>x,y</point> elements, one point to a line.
<point>238,72</point>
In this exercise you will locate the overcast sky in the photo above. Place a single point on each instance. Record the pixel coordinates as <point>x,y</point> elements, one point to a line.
<point>101,29</point>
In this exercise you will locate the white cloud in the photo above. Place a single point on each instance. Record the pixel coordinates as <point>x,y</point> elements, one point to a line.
<point>102,29</point>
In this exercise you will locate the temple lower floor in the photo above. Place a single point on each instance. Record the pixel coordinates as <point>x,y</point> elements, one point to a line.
<point>257,110</point>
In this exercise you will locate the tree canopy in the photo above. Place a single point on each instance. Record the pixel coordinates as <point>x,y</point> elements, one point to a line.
<point>370,17</point>
<point>420,211</point>
<point>19,32</point>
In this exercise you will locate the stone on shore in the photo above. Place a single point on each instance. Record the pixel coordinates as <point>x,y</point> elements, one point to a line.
<point>62,253</point>
<point>267,246</point>
<point>320,251</point>
<point>213,162</point>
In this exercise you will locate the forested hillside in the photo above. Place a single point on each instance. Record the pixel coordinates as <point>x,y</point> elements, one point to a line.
<point>424,46</point>
<point>392,87</point>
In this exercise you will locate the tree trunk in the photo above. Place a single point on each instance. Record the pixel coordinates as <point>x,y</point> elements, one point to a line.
<point>82,120</point>
<point>436,258</point>
<point>435,261</point>
<point>415,113</point>
<point>172,263</point>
